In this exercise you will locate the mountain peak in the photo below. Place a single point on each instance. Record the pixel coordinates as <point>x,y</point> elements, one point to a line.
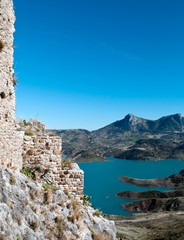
<point>128,122</point>
<point>179,115</point>
<point>130,116</point>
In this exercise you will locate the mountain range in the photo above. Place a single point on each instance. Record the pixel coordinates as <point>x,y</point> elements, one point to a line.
<point>129,138</point>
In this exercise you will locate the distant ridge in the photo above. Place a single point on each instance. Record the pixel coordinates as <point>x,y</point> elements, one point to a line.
<point>169,123</point>
<point>122,139</point>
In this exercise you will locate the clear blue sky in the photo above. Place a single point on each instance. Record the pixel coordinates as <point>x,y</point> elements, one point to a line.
<point>87,63</point>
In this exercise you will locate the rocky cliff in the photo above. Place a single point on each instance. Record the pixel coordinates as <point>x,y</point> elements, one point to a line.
<point>31,211</point>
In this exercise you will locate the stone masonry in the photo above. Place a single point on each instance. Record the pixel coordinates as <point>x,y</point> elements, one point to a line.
<point>7,19</point>
<point>72,180</point>
<point>43,151</point>
<point>39,153</point>
<point>11,141</point>
<point>42,154</point>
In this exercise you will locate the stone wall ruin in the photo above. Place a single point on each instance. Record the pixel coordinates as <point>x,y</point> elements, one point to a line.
<point>42,154</point>
<point>17,150</point>
<point>11,141</point>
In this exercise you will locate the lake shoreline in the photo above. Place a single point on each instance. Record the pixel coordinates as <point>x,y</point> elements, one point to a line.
<point>106,159</point>
<point>101,180</point>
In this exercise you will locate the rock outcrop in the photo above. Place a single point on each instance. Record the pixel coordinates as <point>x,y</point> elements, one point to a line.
<point>31,211</point>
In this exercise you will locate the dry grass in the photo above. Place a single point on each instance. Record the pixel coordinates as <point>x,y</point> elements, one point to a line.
<point>53,207</point>
<point>62,202</point>
<point>37,193</point>
<point>69,162</point>
<point>32,195</point>
<point>8,202</point>
<point>30,152</point>
<point>60,232</point>
<point>75,216</point>
<point>60,228</point>
<point>36,176</point>
<point>2,237</point>
<point>19,220</point>
<point>58,219</point>
<point>66,163</point>
<point>69,205</point>
<point>66,191</point>
<point>100,236</point>
<point>80,223</point>
<point>74,203</point>
<point>49,195</point>
<point>13,179</point>
<point>34,225</point>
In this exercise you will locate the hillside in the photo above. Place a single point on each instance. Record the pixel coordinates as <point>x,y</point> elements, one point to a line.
<point>129,138</point>
<point>29,210</point>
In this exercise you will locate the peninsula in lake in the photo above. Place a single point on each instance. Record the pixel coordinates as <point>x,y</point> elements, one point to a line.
<point>155,201</point>
<point>130,138</point>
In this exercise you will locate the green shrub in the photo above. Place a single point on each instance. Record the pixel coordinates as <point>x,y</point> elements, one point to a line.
<point>52,134</point>
<point>2,95</point>
<point>12,180</point>
<point>27,133</point>
<point>28,173</point>
<point>1,46</point>
<point>14,80</point>
<point>50,186</point>
<point>66,163</point>
<point>97,213</point>
<point>47,170</point>
<point>92,232</point>
<point>69,218</point>
<point>38,168</point>
<point>24,122</point>
<point>18,237</point>
<point>86,200</point>
<point>60,227</point>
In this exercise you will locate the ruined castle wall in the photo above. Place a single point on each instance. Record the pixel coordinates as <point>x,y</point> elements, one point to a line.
<point>43,151</point>
<point>42,154</point>
<point>16,150</point>
<point>11,144</point>
<point>7,93</point>
<point>72,180</point>
<point>11,141</point>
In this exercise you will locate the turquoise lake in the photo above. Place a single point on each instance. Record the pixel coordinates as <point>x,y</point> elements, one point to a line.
<point>101,180</point>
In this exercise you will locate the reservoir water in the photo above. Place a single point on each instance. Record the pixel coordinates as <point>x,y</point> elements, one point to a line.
<point>101,180</point>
